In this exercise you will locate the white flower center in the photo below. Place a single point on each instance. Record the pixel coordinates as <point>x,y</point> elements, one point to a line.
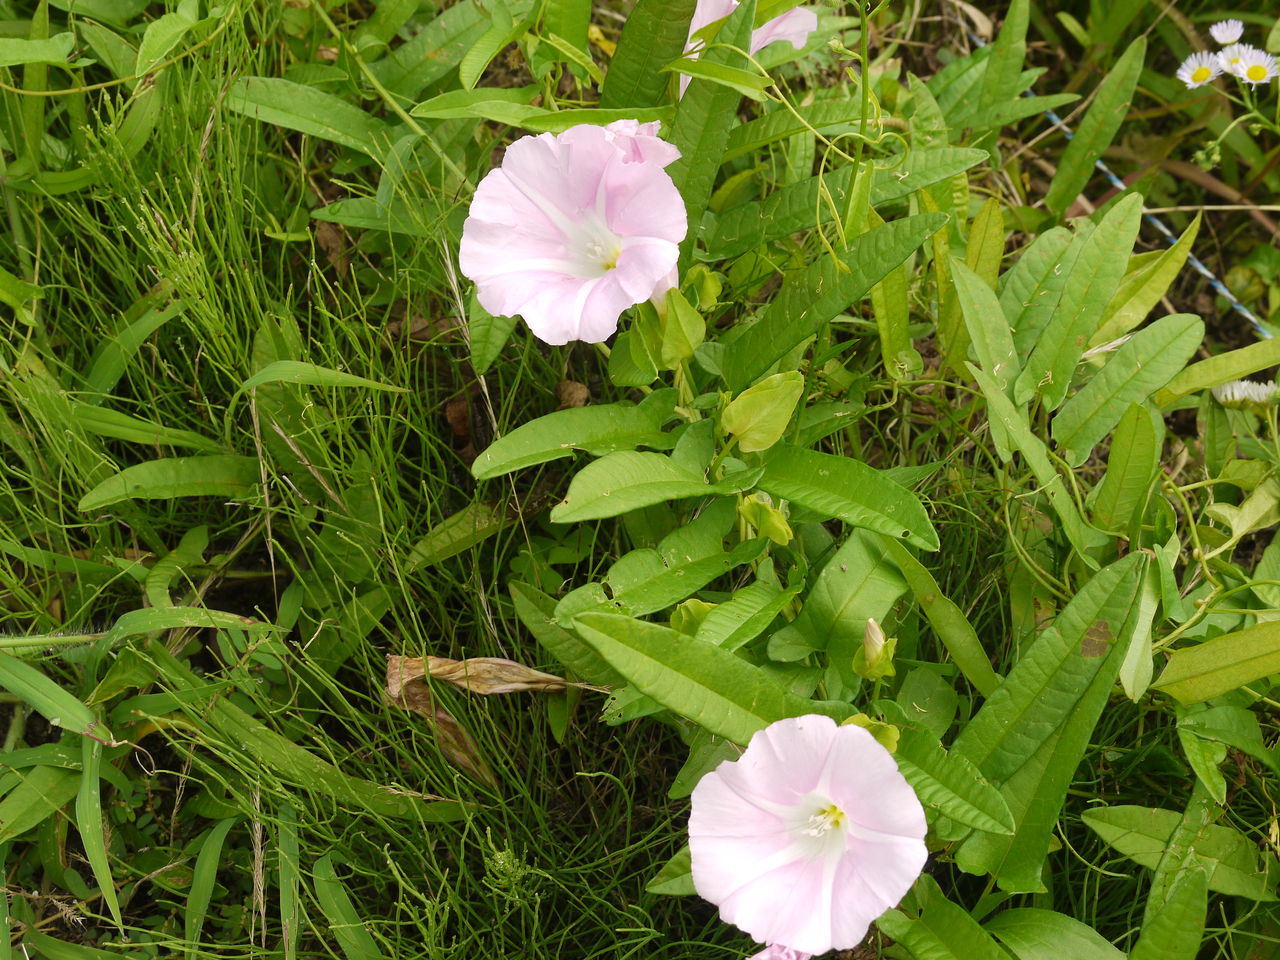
<point>604,252</point>
<point>818,826</point>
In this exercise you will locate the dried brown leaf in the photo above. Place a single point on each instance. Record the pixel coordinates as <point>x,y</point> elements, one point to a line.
<point>571,393</point>
<point>406,688</point>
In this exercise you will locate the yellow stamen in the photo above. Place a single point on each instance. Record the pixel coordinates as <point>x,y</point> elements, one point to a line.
<point>1200,75</point>
<point>825,819</point>
<point>1256,72</point>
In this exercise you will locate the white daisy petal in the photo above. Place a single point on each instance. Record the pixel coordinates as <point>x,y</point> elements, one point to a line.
<point>1227,31</point>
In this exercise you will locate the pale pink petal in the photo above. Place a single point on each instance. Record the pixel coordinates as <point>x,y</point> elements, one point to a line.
<point>575,228</point>
<point>791,904</point>
<point>866,782</point>
<point>640,143</point>
<point>808,837</point>
<point>709,11</point>
<point>779,952</point>
<point>794,27</point>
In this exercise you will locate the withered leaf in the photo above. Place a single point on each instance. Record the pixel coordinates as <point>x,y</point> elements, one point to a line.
<point>407,689</point>
<point>484,674</point>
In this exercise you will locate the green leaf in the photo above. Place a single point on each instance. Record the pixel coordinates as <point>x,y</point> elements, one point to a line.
<point>746,82</point>
<point>708,685</point>
<point>1131,469</point>
<point>1046,684</point>
<point>1233,365</point>
<point>1035,934</point>
<point>950,784</point>
<point>1093,279</point>
<point>849,489</point>
<point>503,31</point>
<point>989,331</point>
<point>110,360</point>
<point>204,878</point>
<point>1013,420</point>
<point>597,429</point>
<point>311,111</point>
<point>655,33</point>
<point>163,34</point>
<point>1097,129</point>
<point>942,930</point>
<point>137,623</point>
<point>704,117</point>
<point>675,879</point>
<point>296,371</point>
<point>52,949</point>
<point>1222,664</point>
<point>104,422</point>
<point>90,826</point>
<point>1142,834</point>
<point>645,581</point>
<point>759,415</point>
<point>537,612</point>
<point>854,584</point>
<point>460,104</point>
<point>1142,288</point>
<point>435,50</point>
<point>473,524</point>
<point>746,614</point>
<point>816,294</point>
<point>798,206</point>
<point>48,698</point>
<point>1031,289</point>
<point>683,330</point>
<point>627,480</point>
<point>41,794</point>
<point>1004,65</point>
<point>289,876</point>
<point>948,620</point>
<point>1175,931</point>
<point>1071,668</point>
<point>1149,360</point>
<point>345,922</point>
<point>225,476</point>
<point>55,49</point>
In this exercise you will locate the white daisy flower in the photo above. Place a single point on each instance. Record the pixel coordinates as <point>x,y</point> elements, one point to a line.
<point>1255,67</point>
<point>1198,69</point>
<point>1230,58</point>
<point>1244,393</point>
<point>1228,31</point>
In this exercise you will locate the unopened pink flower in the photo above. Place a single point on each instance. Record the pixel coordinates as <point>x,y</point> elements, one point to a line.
<point>572,229</point>
<point>807,837</point>
<point>794,26</point>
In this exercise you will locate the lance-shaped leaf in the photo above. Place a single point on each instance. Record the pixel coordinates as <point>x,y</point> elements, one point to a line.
<point>717,690</point>
<point>597,430</point>
<point>849,489</point>
<point>1035,934</point>
<point>1222,664</point>
<point>1098,128</point>
<point>226,476</point>
<point>486,675</point>
<point>655,34</point>
<point>1143,834</point>
<point>799,206</point>
<point>813,296</point>
<point>628,480</point>
<point>1148,279</point>
<point>1093,280</point>
<point>950,784</point>
<point>1146,362</point>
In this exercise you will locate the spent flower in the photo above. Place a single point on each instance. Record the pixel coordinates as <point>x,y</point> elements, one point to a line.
<point>572,229</point>
<point>807,837</point>
<point>1226,31</point>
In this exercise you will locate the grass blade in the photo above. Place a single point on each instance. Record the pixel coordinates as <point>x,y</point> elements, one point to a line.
<point>89,824</point>
<point>345,923</point>
<point>203,879</point>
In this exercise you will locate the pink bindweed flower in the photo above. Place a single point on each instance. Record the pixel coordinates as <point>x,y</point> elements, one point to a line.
<point>807,837</point>
<point>794,26</point>
<point>572,229</point>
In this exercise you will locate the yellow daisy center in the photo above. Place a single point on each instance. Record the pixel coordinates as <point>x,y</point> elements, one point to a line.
<point>1201,75</point>
<point>1256,72</point>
